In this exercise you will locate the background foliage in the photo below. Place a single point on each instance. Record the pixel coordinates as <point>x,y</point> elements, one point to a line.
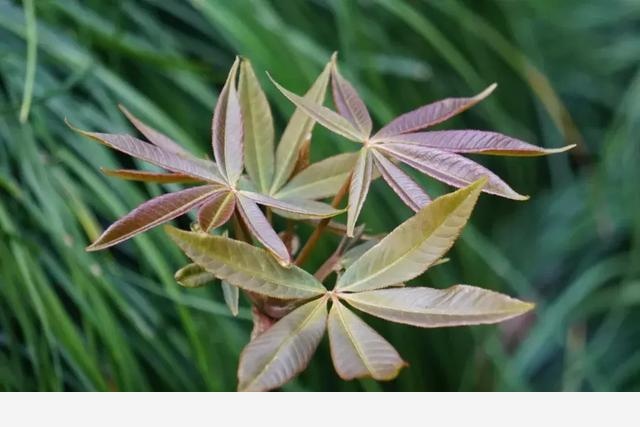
<point>116,320</point>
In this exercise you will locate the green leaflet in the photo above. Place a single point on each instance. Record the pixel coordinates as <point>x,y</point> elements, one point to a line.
<point>321,179</point>
<point>193,276</point>
<point>359,188</point>
<point>414,245</point>
<point>258,128</point>
<point>246,266</point>
<point>430,308</point>
<point>297,131</point>
<point>284,350</point>
<point>357,350</point>
<point>231,296</point>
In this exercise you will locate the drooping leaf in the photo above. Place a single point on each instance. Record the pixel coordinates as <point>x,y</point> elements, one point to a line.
<point>327,118</point>
<point>448,167</point>
<point>155,137</point>
<point>258,128</point>
<point>227,129</point>
<point>321,179</point>
<point>284,350</point>
<point>475,141</point>
<point>193,276</point>
<point>409,191</point>
<point>216,210</point>
<point>430,114</point>
<point>349,104</point>
<point>152,213</point>
<point>414,245</point>
<point>431,308</point>
<point>261,229</point>
<point>298,131</point>
<point>357,350</point>
<point>358,188</point>
<point>197,168</point>
<point>231,295</point>
<point>147,176</point>
<point>300,207</point>
<point>246,266</point>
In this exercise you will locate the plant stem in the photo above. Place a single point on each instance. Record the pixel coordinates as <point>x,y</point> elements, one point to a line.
<point>315,236</point>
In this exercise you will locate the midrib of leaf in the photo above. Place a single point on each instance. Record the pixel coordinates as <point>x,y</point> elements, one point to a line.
<point>227,199</point>
<point>365,361</point>
<point>286,341</point>
<point>410,250</point>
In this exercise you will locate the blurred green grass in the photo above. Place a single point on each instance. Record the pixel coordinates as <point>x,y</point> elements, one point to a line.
<point>115,320</point>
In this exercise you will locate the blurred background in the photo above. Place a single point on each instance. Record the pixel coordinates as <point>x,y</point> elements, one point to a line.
<point>568,72</point>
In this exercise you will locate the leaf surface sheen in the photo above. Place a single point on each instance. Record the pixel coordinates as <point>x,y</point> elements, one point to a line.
<point>152,213</point>
<point>458,305</point>
<point>262,229</point>
<point>327,118</point>
<point>357,350</point>
<point>284,350</point>
<point>321,179</point>
<point>359,188</point>
<point>258,128</point>
<point>349,104</point>
<point>246,266</point>
<point>414,245</point>
<point>448,167</point>
<point>475,141</point>
<point>154,136</point>
<point>298,131</point>
<point>404,186</point>
<point>216,210</point>
<point>430,114</point>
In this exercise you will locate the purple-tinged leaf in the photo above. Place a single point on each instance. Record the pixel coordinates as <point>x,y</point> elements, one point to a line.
<point>434,308</point>
<point>409,191</point>
<point>154,137</point>
<point>475,141</point>
<point>430,114</point>
<point>349,104</point>
<point>248,267</point>
<point>152,213</point>
<point>284,350</point>
<point>261,229</point>
<point>357,350</point>
<point>226,127</point>
<point>216,210</point>
<point>448,167</point>
<point>327,118</point>
<point>301,207</point>
<point>358,188</point>
<point>147,176</point>
<point>196,168</point>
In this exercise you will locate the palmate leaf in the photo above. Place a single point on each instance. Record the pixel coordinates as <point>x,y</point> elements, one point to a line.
<point>246,266</point>
<point>227,129</point>
<point>147,176</point>
<point>284,350</point>
<point>349,104</point>
<point>197,168</point>
<point>327,118</point>
<point>475,141</point>
<point>448,167</point>
<point>413,246</point>
<point>358,188</point>
<point>431,308</point>
<point>216,210</point>
<point>152,213</point>
<point>154,136</point>
<point>430,114</point>
<point>258,128</point>
<point>321,179</point>
<point>357,350</point>
<point>298,131</point>
<point>409,191</point>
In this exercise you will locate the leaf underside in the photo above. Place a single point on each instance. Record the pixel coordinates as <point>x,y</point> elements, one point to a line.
<point>359,188</point>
